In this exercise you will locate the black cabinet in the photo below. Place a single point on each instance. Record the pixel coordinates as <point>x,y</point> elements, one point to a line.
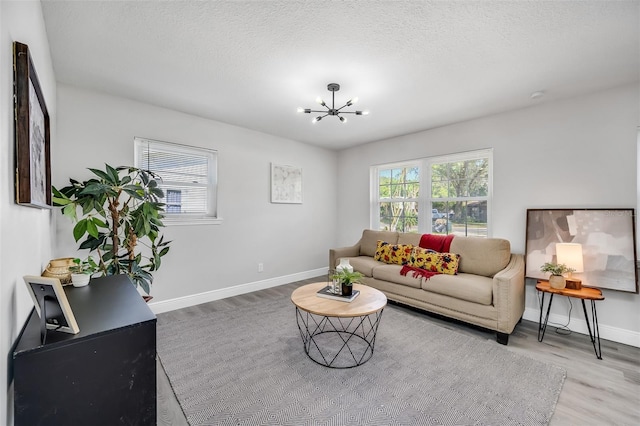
<point>104,375</point>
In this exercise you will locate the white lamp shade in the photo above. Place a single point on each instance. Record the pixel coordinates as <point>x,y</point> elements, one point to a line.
<point>571,255</point>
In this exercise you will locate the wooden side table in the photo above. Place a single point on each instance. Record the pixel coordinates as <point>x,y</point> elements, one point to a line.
<point>585,293</point>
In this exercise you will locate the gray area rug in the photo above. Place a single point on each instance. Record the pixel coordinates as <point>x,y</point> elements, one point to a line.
<point>247,366</point>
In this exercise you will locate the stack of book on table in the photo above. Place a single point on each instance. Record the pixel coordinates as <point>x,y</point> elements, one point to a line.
<point>327,293</point>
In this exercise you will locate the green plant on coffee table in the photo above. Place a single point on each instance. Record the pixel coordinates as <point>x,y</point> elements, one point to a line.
<point>120,220</point>
<point>555,268</point>
<point>347,277</point>
<point>87,267</point>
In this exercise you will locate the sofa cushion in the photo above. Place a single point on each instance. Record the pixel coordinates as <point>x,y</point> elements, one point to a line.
<point>470,287</point>
<point>409,238</point>
<point>481,256</point>
<point>396,254</point>
<point>443,263</point>
<point>369,240</point>
<point>391,273</point>
<point>364,264</point>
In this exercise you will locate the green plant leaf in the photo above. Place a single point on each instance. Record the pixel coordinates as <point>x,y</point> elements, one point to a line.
<point>59,202</point>
<point>80,229</point>
<point>70,211</point>
<point>92,229</point>
<point>134,191</point>
<point>100,223</point>
<point>97,188</point>
<point>107,256</point>
<point>145,286</point>
<point>102,175</point>
<point>157,192</point>
<point>92,243</point>
<point>115,175</point>
<point>144,177</point>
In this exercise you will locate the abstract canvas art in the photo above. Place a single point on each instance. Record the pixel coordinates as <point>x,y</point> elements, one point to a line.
<point>607,237</point>
<point>286,184</point>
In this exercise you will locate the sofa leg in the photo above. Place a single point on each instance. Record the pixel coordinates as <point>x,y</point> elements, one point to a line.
<point>503,338</point>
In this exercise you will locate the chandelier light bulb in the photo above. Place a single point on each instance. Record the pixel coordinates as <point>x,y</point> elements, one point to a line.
<point>352,101</point>
<point>300,109</point>
<point>315,120</point>
<point>320,101</point>
<point>342,119</point>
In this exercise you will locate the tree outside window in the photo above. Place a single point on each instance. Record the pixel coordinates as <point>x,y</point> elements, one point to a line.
<point>398,193</point>
<point>459,192</point>
<point>458,201</point>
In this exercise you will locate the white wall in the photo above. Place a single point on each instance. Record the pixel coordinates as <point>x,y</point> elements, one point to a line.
<point>288,239</point>
<point>578,153</point>
<point>25,233</point>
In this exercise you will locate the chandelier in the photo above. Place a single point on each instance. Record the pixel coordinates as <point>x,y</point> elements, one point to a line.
<point>333,111</point>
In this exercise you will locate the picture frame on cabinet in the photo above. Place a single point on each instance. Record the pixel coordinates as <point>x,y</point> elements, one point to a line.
<point>51,304</point>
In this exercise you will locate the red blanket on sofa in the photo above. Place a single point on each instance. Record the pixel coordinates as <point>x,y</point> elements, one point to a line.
<point>439,243</point>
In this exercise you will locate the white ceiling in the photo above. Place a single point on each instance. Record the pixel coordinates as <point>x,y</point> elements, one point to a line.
<point>414,65</point>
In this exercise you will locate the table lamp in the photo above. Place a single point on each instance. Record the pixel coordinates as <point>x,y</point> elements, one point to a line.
<point>571,255</point>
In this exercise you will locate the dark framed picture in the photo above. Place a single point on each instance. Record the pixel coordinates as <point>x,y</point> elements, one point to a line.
<point>599,243</point>
<point>31,129</point>
<point>51,303</point>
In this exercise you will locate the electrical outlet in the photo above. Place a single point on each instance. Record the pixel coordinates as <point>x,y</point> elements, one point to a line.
<point>260,267</point>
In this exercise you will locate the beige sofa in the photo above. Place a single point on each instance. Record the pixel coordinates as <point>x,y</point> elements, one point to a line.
<point>488,290</point>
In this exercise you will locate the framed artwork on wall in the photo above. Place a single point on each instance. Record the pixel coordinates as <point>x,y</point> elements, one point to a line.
<point>286,184</point>
<point>604,237</point>
<point>31,130</point>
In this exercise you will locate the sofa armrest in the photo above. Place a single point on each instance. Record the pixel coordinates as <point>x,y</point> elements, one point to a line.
<point>337,253</point>
<point>508,294</point>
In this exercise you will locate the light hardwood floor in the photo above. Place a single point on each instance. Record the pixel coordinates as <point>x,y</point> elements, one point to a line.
<point>595,392</point>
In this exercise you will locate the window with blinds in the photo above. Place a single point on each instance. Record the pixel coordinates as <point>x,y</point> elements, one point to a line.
<point>188,177</point>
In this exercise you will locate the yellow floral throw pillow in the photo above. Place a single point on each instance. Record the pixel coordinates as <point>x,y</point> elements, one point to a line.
<point>396,254</point>
<point>443,263</point>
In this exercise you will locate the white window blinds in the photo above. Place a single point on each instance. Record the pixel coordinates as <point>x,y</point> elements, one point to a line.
<point>188,176</point>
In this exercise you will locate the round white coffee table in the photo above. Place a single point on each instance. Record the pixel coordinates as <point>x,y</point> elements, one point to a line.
<point>338,334</point>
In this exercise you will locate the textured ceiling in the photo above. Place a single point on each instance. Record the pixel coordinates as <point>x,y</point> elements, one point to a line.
<point>414,65</point>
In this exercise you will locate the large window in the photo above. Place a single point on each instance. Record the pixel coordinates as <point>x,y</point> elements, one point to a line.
<point>188,178</point>
<point>455,196</point>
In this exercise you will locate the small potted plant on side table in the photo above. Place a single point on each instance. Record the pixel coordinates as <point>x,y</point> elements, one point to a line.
<point>347,278</point>
<point>81,271</point>
<point>556,279</point>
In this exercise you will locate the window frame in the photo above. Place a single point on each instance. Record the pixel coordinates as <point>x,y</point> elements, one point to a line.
<point>375,190</point>
<point>211,217</point>
<point>425,199</point>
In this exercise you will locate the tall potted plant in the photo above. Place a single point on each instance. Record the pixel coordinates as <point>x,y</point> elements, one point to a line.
<point>120,220</point>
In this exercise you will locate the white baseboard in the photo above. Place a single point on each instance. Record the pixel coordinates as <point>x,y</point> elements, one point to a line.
<point>222,293</point>
<point>578,325</point>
